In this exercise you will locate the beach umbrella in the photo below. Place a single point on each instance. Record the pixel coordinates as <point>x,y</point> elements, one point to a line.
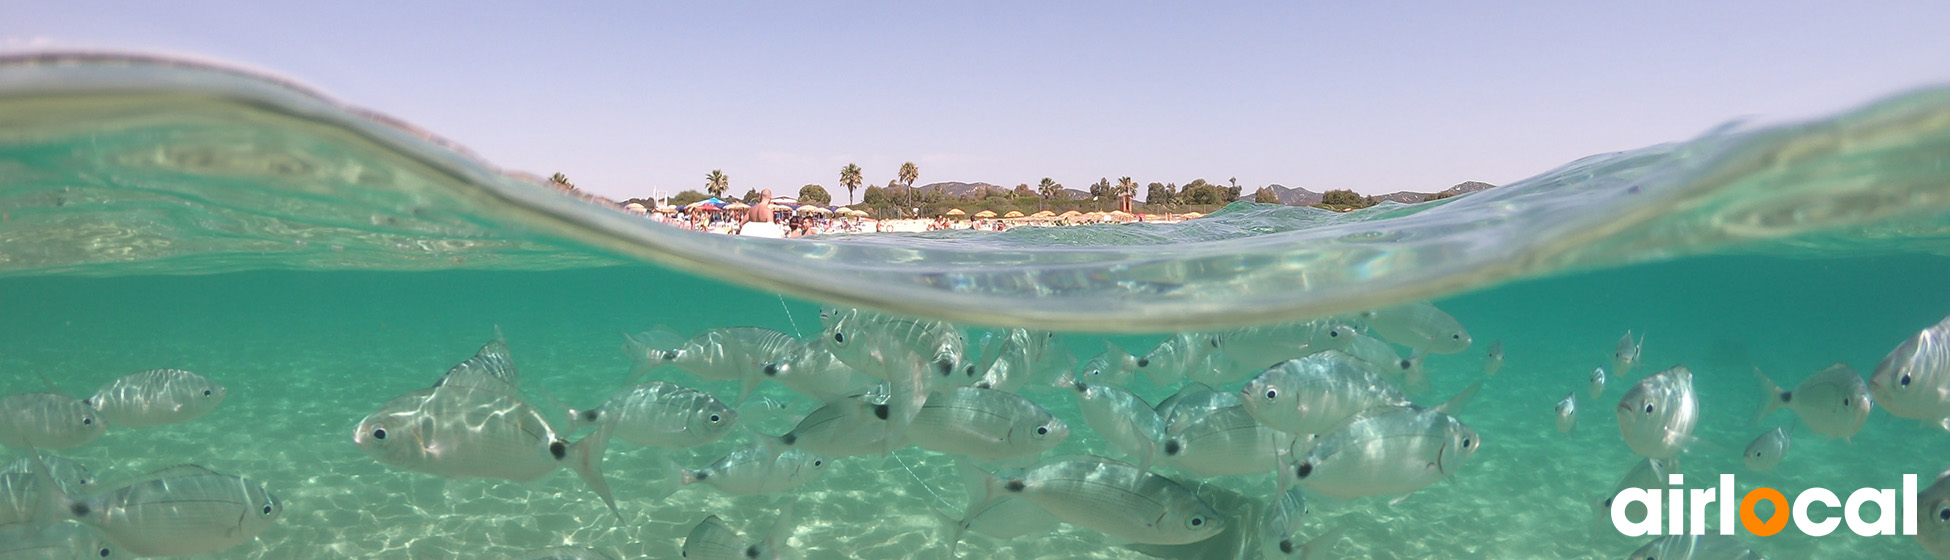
<point>956,212</point>
<point>635,208</point>
<point>985,214</point>
<point>666,209</point>
<point>1012,214</point>
<point>736,206</point>
<point>1070,214</point>
<point>810,209</point>
<point>1042,214</point>
<point>1191,215</point>
<point>1120,215</point>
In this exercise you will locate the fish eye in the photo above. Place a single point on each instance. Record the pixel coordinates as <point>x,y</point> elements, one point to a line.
<point>1457,336</point>
<point>378,433</point>
<point>1333,334</point>
<point>1146,362</point>
<point>1905,380</point>
<point>87,420</point>
<point>839,337</point>
<point>771,369</point>
<point>1466,442</point>
<point>1943,513</point>
<point>817,463</point>
<point>1196,521</point>
<point>1648,408</point>
<point>1272,394</point>
<point>1844,401</point>
<point>1042,430</point>
<point>267,509</point>
<point>206,392</point>
<point>715,418</point>
<point>105,552</point>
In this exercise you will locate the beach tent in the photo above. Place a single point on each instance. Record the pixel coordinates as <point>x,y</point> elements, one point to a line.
<point>1012,214</point>
<point>956,212</point>
<point>985,214</point>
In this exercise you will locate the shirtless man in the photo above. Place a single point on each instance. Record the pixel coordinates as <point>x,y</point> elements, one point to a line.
<point>762,211</point>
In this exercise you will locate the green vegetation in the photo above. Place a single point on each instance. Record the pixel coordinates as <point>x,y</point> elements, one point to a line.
<point>814,194</point>
<point>1342,200</point>
<point>717,183</point>
<point>1437,196</point>
<point>1265,195</point>
<point>850,177</point>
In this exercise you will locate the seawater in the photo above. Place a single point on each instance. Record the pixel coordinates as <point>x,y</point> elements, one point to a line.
<point>111,268</point>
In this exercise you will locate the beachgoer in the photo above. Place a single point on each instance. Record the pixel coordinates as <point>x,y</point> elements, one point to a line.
<point>762,210</point>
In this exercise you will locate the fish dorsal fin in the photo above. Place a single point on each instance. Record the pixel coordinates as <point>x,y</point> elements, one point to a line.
<point>51,387</point>
<point>492,367</point>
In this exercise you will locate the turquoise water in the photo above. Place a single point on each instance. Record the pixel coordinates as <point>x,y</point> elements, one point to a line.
<point>319,271</point>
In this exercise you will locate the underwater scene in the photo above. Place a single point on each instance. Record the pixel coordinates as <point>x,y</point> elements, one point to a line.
<point>239,319</point>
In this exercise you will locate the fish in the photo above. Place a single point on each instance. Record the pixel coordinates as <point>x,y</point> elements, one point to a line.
<point>712,540</point>
<point>1397,451</point>
<point>1317,393</point>
<point>156,397</point>
<point>1256,348</point>
<point>1597,383</point>
<point>986,424</point>
<point>73,476</point>
<point>659,414</point>
<point>1239,539</point>
<point>1833,402</point>
<point>564,553</point>
<point>1004,517</point>
<point>844,427</point>
<point>1176,357</point>
<point>749,470</point>
<point>470,425</point>
<point>1285,513</point>
<point>1625,354</point>
<point>1106,496</point>
<point>1016,358</point>
<point>817,373</point>
<point>1226,441</point>
<point>66,541</point>
<point>743,354</point>
<point>1657,415</point>
<point>897,351</point>
<point>47,421</point>
<point>23,496</point>
<point>1767,450</point>
<point>1913,381</point>
<point>186,509</point>
<point>1194,400</point>
<point>1493,360</point>
<point>1933,517</point>
<point>1567,413</point>
<point>1647,473</point>
<point>1696,547</point>
<point>1121,417</point>
<point>1418,325</point>
<point>1377,356</point>
<point>1111,367</point>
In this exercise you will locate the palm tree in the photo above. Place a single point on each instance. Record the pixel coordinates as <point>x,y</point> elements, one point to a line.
<point>1126,190</point>
<point>717,183</point>
<point>907,175</point>
<point>1048,189</point>
<point>850,176</point>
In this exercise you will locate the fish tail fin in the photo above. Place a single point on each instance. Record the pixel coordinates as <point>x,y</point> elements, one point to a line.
<point>1160,375</point>
<point>1118,358</point>
<point>782,529</point>
<point>642,348</point>
<point>1067,380</point>
<point>1456,404</point>
<point>903,405</point>
<point>55,505</point>
<point>1771,396</point>
<point>983,490</point>
<point>587,455</point>
<point>675,477</point>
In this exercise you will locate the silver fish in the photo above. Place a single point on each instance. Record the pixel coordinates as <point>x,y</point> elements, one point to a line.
<point>1377,356</point>
<point>985,424</point>
<point>1004,517</point>
<point>817,373</point>
<point>156,397</point>
<point>1238,540</point>
<point>1111,498</point>
<point>897,351</point>
<point>1121,417</point>
<point>1767,450</point>
<point>1933,517</point>
<point>659,414</point>
<point>1832,402</point>
<point>478,430</point>
<point>180,510</point>
<point>1567,413</point>
<point>1420,326</point>
<point>23,496</point>
<point>743,354</point>
<point>47,421</point>
<point>1657,415</point>
<point>1913,381</point>
<point>66,541</point>
<point>1625,354</point>
<point>1176,357</point>
<point>712,540</point>
<point>844,427</point>
<point>1493,360</point>
<point>1193,401</point>
<point>1281,522</point>
<point>1112,367</point>
<point>1696,547</point>
<point>1256,348</point>
<point>1015,358</point>
<point>1648,474</point>
<point>564,553</point>
<point>1317,393</point>
<point>1226,441</point>
<point>1397,451</point>
<point>752,469</point>
<point>1597,383</point>
<point>74,477</point>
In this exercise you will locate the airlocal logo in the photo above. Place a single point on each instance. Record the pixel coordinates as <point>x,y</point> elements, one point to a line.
<point>1676,502</point>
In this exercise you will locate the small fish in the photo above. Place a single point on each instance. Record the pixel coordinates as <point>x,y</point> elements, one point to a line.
<point>1317,393</point>
<point>179,510</point>
<point>845,427</point>
<point>1281,522</point>
<point>986,424</point>
<point>1933,517</point>
<point>471,426</point>
<point>1112,367</point>
<point>1121,417</point>
<point>73,476</point>
<point>1709,546</point>
<point>1377,356</point>
<point>1648,474</point>
<point>712,540</point>
<point>1420,326</point>
<point>1004,517</point>
<point>1013,359</point>
<point>23,496</point>
<point>897,351</point>
<point>817,373</point>
<point>1767,450</point>
<point>1567,413</point>
<point>1913,381</point>
<point>1255,348</point>
<point>1176,357</point>
<point>1493,360</point>
<point>156,397</point>
<point>1109,497</point>
<point>1626,354</point>
<point>1597,383</point>
<point>47,421</point>
<point>1226,441</point>
<point>752,469</point>
<point>743,354</point>
<point>565,553</point>
<point>1833,402</point>
<point>1193,401</point>
<point>65,541</point>
<point>1397,451</point>
<point>1657,415</point>
<point>659,414</point>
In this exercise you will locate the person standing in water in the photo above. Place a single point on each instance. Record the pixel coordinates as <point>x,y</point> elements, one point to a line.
<point>762,211</point>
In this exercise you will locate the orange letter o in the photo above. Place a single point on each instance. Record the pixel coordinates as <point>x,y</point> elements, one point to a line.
<point>1752,522</point>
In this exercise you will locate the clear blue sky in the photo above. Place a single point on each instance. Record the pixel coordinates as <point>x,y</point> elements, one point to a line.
<point>1378,97</point>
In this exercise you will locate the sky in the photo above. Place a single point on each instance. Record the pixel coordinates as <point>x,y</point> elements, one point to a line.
<point>644,98</point>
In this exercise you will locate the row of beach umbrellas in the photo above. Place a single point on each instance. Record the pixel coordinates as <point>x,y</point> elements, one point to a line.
<point>716,205</point>
<point>1118,215</point>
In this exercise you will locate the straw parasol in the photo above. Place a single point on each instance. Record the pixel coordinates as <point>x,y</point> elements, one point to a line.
<point>810,209</point>
<point>985,214</point>
<point>1042,214</point>
<point>1013,214</point>
<point>1192,215</point>
<point>1093,216</point>
<point>635,208</point>
<point>666,209</point>
<point>1120,215</point>
<point>736,206</point>
<point>957,212</point>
